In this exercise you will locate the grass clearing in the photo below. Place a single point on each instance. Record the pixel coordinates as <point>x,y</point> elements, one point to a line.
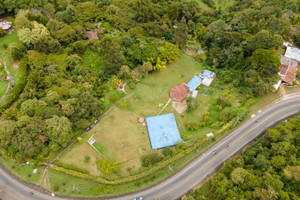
<point>99,147</point>
<point>120,137</point>
<point>23,171</point>
<point>76,157</point>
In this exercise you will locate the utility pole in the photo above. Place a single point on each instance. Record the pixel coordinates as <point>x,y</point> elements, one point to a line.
<point>238,119</point>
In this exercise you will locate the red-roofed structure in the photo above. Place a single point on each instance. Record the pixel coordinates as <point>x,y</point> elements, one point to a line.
<point>290,75</point>
<point>283,70</point>
<point>179,93</point>
<point>92,35</point>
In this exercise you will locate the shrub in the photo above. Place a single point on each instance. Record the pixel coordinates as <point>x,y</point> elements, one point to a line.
<point>56,188</point>
<point>192,104</point>
<point>107,166</point>
<point>2,32</point>
<point>115,82</point>
<point>207,119</point>
<point>72,167</point>
<point>200,57</point>
<point>123,104</point>
<point>193,125</point>
<point>16,51</point>
<point>80,139</point>
<point>249,103</point>
<point>113,97</point>
<point>151,159</point>
<point>168,151</point>
<point>87,159</point>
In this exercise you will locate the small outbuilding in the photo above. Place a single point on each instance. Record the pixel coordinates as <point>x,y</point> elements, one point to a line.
<point>163,131</point>
<point>194,83</point>
<point>208,77</point>
<point>5,25</point>
<point>92,35</point>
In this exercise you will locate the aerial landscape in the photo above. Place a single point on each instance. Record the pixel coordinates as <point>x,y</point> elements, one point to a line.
<point>150,99</point>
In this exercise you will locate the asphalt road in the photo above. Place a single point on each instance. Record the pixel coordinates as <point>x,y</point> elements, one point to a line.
<point>195,172</point>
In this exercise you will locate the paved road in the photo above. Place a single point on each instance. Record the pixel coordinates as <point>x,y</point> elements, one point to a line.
<point>194,173</point>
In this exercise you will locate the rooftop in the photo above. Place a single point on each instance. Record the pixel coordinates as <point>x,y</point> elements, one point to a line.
<point>208,74</point>
<point>92,35</point>
<point>290,75</point>
<point>293,52</point>
<point>283,70</point>
<point>163,131</point>
<point>288,61</point>
<point>194,83</point>
<point>5,24</point>
<point>179,93</point>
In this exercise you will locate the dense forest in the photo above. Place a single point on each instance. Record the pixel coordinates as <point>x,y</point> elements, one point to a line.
<point>65,75</point>
<point>270,169</point>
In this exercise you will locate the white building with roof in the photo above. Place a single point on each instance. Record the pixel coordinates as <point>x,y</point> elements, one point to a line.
<point>5,24</point>
<point>293,53</point>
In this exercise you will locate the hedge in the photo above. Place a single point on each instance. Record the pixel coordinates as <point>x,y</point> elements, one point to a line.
<point>149,171</point>
<point>71,167</point>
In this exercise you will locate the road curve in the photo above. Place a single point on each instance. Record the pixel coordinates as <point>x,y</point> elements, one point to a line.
<point>196,171</point>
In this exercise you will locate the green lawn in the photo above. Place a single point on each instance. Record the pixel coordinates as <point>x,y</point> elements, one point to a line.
<point>23,171</point>
<point>119,134</point>
<point>120,137</point>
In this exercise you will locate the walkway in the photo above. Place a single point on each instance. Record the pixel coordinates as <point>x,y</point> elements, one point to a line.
<point>11,81</point>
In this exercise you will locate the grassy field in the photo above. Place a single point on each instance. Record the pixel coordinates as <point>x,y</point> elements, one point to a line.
<point>23,171</point>
<point>121,136</point>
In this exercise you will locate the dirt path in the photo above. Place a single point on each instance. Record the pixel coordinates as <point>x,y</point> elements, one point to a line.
<point>282,90</point>
<point>11,82</point>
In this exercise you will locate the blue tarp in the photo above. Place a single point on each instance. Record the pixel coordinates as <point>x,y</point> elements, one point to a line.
<point>207,73</point>
<point>163,131</point>
<point>194,83</point>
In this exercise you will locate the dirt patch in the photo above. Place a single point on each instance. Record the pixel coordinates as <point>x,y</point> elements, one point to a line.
<point>16,65</point>
<point>282,90</point>
<point>190,52</point>
<point>179,106</point>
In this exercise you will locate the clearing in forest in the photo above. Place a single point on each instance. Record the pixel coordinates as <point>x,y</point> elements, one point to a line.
<point>121,137</point>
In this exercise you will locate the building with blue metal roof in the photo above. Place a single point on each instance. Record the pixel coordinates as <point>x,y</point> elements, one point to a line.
<point>194,83</point>
<point>163,131</point>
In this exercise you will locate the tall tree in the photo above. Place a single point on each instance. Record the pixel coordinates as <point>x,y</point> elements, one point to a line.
<point>112,55</point>
<point>181,34</point>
